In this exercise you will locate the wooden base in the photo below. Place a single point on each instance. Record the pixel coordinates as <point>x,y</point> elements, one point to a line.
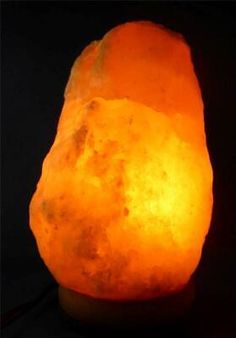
<point>126,314</point>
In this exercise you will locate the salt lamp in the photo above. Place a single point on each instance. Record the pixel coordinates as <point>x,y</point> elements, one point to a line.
<point>124,201</point>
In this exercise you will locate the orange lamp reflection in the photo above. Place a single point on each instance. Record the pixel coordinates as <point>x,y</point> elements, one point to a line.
<point>124,201</point>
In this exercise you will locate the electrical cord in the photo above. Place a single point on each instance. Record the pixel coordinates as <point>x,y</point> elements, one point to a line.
<point>16,313</point>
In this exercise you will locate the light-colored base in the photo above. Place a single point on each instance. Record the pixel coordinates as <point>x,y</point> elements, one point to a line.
<point>95,312</point>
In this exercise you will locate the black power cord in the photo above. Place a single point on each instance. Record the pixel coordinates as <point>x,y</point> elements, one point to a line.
<point>12,315</point>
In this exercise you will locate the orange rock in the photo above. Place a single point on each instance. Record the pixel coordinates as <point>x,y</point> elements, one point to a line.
<point>125,197</point>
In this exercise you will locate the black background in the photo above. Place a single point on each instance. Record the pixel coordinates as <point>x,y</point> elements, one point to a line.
<point>40,42</point>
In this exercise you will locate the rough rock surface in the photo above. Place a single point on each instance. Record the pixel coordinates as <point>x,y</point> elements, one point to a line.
<point>125,197</point>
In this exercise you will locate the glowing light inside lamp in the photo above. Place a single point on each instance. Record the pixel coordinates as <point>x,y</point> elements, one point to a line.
<point>124,202</point>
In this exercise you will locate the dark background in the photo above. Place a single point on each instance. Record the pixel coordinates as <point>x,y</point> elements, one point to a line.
<point>40,42</point>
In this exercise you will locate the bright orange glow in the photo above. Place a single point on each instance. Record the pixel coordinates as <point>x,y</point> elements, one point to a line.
<point>124,202</point>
